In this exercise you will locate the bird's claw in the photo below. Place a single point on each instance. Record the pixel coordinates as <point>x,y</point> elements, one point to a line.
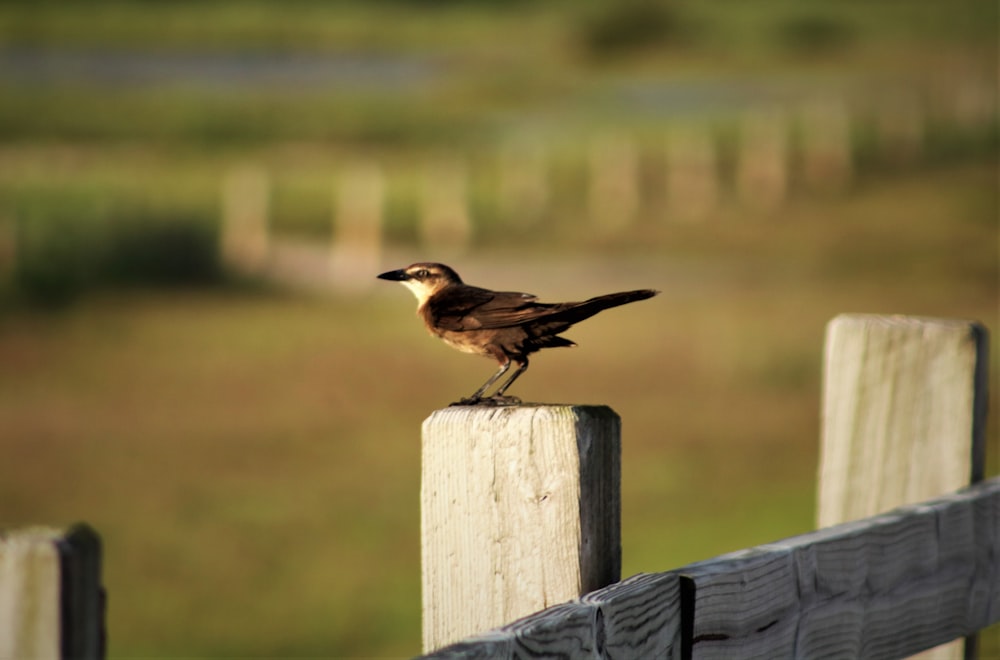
<point>501,400</point>
<point>495,400</point>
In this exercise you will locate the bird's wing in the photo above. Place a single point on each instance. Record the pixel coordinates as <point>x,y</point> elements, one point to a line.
<point>472,308</point>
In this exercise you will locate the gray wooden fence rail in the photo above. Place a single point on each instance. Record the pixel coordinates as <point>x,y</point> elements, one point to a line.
<point>883,587</point>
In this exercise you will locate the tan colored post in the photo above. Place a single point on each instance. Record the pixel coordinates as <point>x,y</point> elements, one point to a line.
<point>614,182</point>
<point>8,249</point>
<point>245,227</point>
<point>972,103</point>
<point>520,510</point>
<point>50,594</point>
<point>692,174</point>
<point>762,169</point>
<point>903,412</point>
<point>356,239</point>
<point>445,226</point>
<point>900,125</point>
<point>827,160</point>
<point>523,180</point>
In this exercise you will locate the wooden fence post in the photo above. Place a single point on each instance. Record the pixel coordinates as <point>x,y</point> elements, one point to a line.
<point>972,104</point>
<point>904,407</point>
<point>520,510</point>
<point>246,193</point>
<point>356,239</point>
<point>523,180</point>
<point>445,225</point>
<point>762,169</point>
<point>900,125</point>
<point>614,192</point>
<point>8,250</point>
<point>51,601</point>
<point>827,165</point>
<point>692,174</point>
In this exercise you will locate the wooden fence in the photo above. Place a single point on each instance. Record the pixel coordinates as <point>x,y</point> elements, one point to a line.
<point>597,180</point>
<point>607,180</point>
<point>519,511</point>
<point>51,598</point>
<point>520,517</point>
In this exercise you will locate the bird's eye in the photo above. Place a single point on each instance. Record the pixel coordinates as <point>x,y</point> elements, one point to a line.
<point>423,273</point>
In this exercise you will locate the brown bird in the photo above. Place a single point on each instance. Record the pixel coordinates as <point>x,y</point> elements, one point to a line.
<point>504,325</point>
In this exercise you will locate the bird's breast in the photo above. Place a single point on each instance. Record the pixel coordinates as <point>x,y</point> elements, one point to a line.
<point>462,342</point>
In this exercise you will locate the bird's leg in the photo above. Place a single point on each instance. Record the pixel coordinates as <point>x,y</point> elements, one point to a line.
<point>499,394</point>
<point>478,395</point>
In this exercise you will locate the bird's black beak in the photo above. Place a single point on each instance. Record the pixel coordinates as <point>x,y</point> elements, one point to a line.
<point>395,275</point>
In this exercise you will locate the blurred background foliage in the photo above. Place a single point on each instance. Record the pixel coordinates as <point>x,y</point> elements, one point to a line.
<point>249,448</point>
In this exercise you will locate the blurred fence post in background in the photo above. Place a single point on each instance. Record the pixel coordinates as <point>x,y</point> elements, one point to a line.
<point>780,150</point>
<point>8,250</point>
<point>356,237</point>
<point>445,227</point>
<point>613,182</point>
<point>904,409</point>
<point>762,164</point>
<point>900,126</point>
<point>523,181</point>
<point>692,173</point>
<point>520,510</point>
<point>245,227</point>
<point>51,599</point>
<point>973,104</point>
<point>826,146</point>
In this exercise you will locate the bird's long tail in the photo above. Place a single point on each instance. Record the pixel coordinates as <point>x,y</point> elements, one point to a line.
<point>576,312</point>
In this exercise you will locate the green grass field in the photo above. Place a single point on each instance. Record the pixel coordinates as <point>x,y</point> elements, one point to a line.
<point>481,67</point>
<point>252,460</point>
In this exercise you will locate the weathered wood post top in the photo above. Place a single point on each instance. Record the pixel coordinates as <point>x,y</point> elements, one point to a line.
<point>520,510</point>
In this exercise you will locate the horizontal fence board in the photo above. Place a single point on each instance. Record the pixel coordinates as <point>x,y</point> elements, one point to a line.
<point>745,605</point>
<point>565,630</point>
<point>637,616</point>
<point>881,587</point>
<point>640,615</point>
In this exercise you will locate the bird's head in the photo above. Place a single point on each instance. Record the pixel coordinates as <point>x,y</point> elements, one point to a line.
<point>423,279</point>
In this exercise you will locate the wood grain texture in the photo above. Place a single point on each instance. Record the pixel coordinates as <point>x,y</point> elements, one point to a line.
<point>639,617</point>
<point>29,594</point>
<point>903,416</point>
<point>903,404</point>
<point>743,605</point>
<point>520,510</point>
<point>636,618</point>
<point>883,587</point>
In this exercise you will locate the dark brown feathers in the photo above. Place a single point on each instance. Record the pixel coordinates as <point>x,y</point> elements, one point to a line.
<point>505,325</point>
